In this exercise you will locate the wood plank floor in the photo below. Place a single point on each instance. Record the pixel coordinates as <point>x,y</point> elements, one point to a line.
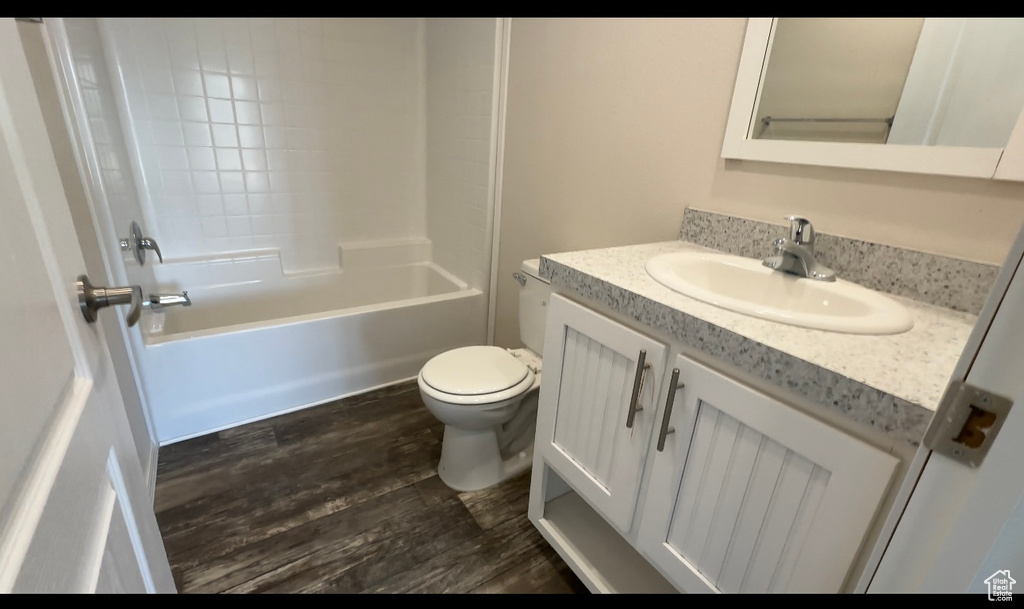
<point>344,498</point>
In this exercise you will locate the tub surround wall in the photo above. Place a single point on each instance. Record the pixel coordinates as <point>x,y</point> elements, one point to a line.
<point>368,254</point>
<point>951,283</point>
<point>460,87</point>
<point>300,134</point>
<point>113,186</point>
<point>294,134</point>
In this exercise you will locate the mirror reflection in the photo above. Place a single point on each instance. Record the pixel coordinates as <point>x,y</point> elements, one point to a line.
<point>917,81</point>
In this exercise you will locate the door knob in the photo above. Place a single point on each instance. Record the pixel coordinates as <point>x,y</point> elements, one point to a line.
<point>92,299</point>
<point>138,244</point>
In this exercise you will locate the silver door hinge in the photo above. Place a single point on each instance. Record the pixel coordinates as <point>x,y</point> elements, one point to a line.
<point>966,423</point>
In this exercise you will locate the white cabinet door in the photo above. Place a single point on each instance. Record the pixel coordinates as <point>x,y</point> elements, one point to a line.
<point>590,378</point>
<point>751,495</point>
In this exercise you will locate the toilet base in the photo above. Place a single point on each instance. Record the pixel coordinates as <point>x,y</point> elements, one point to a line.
<point>471,459</point>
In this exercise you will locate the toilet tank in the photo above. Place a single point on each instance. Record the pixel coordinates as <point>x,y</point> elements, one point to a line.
<point>533,306</point>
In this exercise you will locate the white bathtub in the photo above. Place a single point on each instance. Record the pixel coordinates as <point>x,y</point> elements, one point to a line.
<point>260,345</point>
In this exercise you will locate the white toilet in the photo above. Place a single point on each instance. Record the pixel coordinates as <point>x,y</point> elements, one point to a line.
<point>487,397</point>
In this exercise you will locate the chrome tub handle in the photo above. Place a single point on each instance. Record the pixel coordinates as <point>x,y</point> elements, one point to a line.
<point>137,244</point>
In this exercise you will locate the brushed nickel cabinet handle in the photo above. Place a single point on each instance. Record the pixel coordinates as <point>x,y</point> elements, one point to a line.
<point>638,385</point>
<point>674,386</point>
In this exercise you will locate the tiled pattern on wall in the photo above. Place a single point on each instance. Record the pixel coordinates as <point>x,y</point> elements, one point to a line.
<point>118,191</point>
<point>460,83</point>
<point>294,134</point>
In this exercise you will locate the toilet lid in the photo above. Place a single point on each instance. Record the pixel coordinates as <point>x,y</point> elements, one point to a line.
<point>474,371</point>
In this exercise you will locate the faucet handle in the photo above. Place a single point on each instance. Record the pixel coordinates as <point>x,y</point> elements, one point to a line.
<point>137,244</point>
<point>801,231</point>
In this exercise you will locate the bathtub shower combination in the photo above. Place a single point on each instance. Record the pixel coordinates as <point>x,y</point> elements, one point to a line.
<point>321,188</point>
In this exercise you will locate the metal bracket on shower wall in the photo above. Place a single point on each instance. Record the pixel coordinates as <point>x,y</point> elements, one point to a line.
<point>29,19</point>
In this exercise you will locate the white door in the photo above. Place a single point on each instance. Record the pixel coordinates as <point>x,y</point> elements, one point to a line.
<point>962,525</point>
<point>74,512</point>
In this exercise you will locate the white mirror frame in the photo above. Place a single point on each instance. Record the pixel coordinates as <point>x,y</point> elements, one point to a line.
<point>998,163</point>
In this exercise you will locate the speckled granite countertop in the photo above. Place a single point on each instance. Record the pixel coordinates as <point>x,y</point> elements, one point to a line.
<point>892,383</point>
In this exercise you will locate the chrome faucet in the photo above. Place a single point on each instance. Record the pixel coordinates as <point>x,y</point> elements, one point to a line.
<point>796,254</point>
<point>162,301</point>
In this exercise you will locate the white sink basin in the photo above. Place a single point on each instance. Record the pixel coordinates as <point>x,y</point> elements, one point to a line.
<point>745,286</point>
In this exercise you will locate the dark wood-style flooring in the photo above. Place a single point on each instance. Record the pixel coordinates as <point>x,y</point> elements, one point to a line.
<point>344,497</point>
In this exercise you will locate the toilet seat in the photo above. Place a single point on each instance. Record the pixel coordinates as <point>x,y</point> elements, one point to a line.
<point>475,376</point>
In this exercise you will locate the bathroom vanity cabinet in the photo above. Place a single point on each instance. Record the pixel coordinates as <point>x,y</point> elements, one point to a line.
<point>653,471</point>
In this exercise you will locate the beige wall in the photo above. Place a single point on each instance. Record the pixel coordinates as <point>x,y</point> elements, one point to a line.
<point>615,125</point>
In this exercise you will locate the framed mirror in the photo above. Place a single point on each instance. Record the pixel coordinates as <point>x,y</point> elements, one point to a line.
<point>921,95</point>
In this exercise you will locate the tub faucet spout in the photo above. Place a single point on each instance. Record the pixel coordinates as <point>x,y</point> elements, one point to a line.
<point>162,301</point>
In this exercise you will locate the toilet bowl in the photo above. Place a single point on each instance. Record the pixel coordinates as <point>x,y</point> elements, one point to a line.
<point>487,398</point>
